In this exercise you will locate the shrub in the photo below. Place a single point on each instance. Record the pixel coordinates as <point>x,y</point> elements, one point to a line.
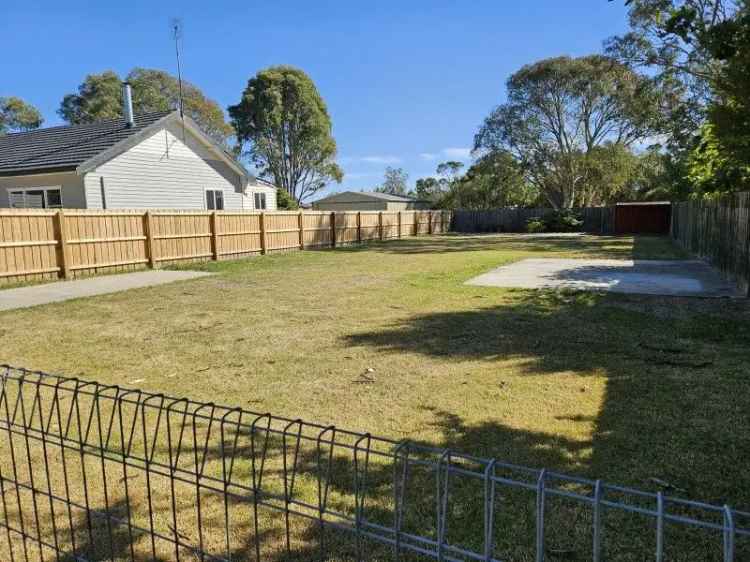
<point>535,224</point>
<point>562,221</point>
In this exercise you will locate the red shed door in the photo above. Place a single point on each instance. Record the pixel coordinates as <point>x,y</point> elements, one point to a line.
<point>646,218</point>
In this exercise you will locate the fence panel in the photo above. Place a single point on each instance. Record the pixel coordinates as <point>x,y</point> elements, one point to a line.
<point>72,243</point>
<point>96,241</point>
<point>369,225</point>
<point>29,242</point>
<point>282,230</point>
<point>317,230</point>
<point>718,231</point>
<point>595,219</point>
<point>99,472</point>
<point>237,234</point>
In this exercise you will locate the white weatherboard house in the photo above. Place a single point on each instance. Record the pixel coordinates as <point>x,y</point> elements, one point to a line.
<point>155,160</point>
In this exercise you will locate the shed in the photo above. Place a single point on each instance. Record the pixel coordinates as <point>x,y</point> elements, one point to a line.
<point>368,201</point>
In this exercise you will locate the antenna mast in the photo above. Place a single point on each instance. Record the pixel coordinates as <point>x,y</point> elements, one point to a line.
<point>176,25</point>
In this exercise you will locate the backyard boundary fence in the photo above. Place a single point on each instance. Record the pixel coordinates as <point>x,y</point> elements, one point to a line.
<point>718,231</point>
<point>71,243</point>
<point>598,220</point>
<point>91,471</point>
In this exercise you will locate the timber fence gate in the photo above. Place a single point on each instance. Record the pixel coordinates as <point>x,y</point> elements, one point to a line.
<point>718,231</point>
<point>43,244</point>
<point>100,472</point>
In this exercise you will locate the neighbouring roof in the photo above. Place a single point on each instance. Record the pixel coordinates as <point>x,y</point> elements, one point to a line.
<point>357,195</point>
<point>65,147</point>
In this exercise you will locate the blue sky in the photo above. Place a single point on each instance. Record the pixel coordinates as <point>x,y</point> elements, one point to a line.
<point>407,82</point>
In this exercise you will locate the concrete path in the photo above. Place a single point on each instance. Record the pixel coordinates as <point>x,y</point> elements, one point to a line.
<point>34,295</point>
<point>647,277</point>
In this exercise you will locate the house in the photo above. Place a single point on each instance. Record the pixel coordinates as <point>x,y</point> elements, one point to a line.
<point>368,201</point>
<point>155,160</point>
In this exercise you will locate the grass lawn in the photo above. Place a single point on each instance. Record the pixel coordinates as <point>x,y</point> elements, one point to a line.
<point>624,388</point>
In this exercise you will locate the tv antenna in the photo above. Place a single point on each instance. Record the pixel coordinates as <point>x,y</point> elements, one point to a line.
<point>175,26</point>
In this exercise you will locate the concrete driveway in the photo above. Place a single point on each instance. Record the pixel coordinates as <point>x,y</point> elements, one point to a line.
<point>34,295</point>
<point>646,277</point>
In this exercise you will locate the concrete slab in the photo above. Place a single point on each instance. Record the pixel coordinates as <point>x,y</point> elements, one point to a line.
<point>35,295</point>
<point>647,277</point>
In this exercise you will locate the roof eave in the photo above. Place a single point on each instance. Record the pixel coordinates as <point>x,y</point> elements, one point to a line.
<point>37,171</point>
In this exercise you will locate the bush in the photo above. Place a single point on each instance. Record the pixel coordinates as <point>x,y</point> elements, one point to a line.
<point>535,224</point>
<point>555,221</point>
<point>562,221</point>
<point>284,201</point>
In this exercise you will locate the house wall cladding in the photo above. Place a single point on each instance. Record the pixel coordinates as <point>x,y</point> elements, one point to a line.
<point>717,231</point>
<point>46,244</point>
<point>164,171</point>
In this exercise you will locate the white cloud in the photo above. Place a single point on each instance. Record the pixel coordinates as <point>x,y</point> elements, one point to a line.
<point>429,156</point>
<point>381,159</point>
<point>457,153</point>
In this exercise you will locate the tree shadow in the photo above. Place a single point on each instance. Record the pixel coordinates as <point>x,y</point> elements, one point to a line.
<point>674,407</point>
<point>589,246</point>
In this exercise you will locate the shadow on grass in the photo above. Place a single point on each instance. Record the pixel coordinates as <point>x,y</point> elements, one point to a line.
<point>673,405</point>
<point>617,247</point>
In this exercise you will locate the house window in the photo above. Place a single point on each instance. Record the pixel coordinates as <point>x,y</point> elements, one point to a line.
<point>36,198</point>
<point>214,199</point>
<point>260,200</point>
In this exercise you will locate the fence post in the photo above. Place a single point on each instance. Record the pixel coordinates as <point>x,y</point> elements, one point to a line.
<point>64,256</point>
<point>301,226</point>
<point>148,230</point>
<point>380,225</point>
<point>429,222</point>
<point>359,227</point>
<point>263,241</point>
<point>214,237</point>
<point>333,229</point>
<point>399,224</point>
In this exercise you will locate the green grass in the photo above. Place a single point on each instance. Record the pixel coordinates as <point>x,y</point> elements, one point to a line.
<point>623,388</point>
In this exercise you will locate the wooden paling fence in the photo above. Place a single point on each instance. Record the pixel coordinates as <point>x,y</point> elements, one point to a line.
<point>718,231</point>
<point>44,244</point>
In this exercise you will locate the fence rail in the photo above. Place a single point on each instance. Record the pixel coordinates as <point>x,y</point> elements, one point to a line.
<point>599,220</point>
<point>91,472</point>
<point>718,231</point>
<point>71,243</point>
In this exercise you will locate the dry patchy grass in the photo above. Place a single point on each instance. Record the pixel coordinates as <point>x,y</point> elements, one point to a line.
<point>609,386</point>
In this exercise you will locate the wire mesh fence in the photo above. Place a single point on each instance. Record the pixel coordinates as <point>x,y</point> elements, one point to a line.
<point>99,472</point>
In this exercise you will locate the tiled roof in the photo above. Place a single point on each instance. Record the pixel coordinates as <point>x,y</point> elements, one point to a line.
<point>65,147</point>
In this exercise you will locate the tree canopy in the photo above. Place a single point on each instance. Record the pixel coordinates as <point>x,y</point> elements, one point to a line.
<point>99,97</point>
<point>284,127</point>
<point>394,181</point>
<point>699,52</point>
<point>17,115</point>
<point>559,112</point>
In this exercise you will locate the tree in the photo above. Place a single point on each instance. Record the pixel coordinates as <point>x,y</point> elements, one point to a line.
<point>494,180</point>
<point>558,111</point>
<point>284,124</point>
<point>672,38</point>
<point>99,98</point>
<point>394,181</point>
<point>285,201</point>
<point>17,115</point>
<point>702,46</point>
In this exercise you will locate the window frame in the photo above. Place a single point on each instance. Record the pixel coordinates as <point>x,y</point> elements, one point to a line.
<point>262,196</point>
<point>213,191</point>
<point>45,198</point>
